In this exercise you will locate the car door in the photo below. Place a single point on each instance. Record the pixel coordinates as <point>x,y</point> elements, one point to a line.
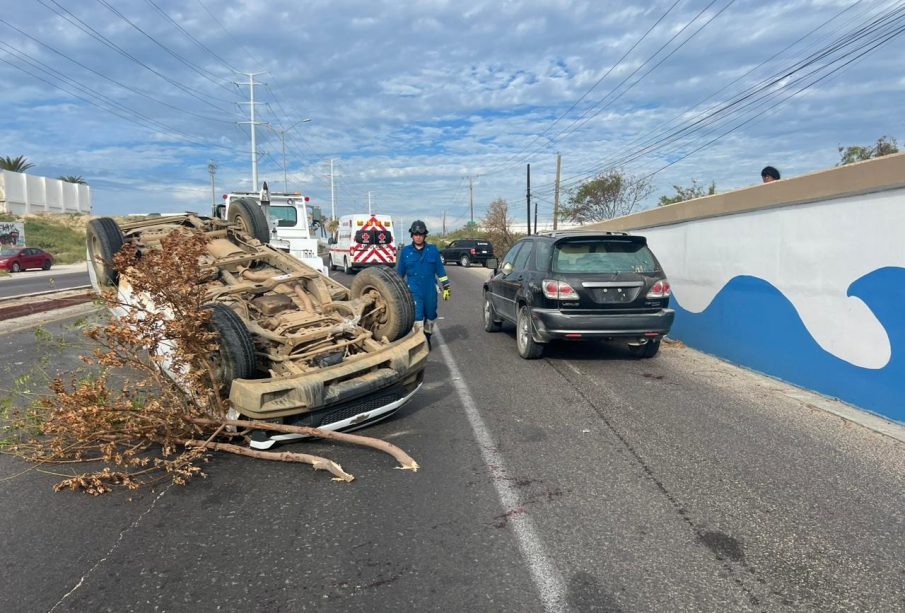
<point>511,280</point>
<point>449,254</point>
<point>498,285</point>
<point>29,259</point>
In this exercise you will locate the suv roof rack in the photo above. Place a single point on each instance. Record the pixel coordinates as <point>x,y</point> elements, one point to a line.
<point>555,233</point>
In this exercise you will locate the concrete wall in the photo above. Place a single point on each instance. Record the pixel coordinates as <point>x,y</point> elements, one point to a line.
<point>22,194</point>
<point>802,279</point>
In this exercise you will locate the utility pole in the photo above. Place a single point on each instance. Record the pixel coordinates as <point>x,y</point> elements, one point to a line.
<point>556,191</point>
<point>212,169</point>
<point>369,203</point>
<point>332,194</point>
<point>444,222</point>
<point>471,199</point>
<point>535,215</point>
<point>254,145</point>
<point>528,199</point>
<point>282,134</point>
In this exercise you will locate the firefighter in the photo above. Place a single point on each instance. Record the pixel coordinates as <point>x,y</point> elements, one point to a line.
<point>419,264</point>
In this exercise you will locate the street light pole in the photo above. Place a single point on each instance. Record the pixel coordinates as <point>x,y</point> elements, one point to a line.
<point>282,134</point>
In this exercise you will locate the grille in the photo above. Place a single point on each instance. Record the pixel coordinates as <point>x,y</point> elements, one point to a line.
<point>353,409</point>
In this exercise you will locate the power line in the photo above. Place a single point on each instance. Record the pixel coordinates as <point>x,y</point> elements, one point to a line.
<point>192,38</point>
<point>107,105</point>
<point>194,67</point>
<point>84,27</point>
<point>760,93</point>
<point>504,163</point>
<point>138,92</point>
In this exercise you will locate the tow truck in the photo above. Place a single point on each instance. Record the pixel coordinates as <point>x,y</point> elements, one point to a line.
<point>284,220</point>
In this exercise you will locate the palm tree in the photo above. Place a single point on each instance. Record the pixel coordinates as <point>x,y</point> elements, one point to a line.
<point>19,164</point>
<point>71,179</point>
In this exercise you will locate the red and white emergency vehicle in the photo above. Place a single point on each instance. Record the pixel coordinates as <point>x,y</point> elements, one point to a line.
<point>363,240</point>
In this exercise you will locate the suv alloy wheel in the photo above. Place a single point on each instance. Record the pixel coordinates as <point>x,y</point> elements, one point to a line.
<point>527,347</point>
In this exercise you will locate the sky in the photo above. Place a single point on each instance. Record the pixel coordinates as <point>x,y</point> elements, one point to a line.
<point>435,108</point>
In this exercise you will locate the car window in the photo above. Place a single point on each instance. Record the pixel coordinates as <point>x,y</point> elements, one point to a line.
<point>603,256</point>
<point>521,260</point>
<point>483,245</point>
<point>542,251</point>
<point>512,254</point>
<point>286,216</point>
<point>454,244</point>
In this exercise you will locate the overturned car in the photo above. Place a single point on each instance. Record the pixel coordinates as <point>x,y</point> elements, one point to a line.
<point>295,346</point>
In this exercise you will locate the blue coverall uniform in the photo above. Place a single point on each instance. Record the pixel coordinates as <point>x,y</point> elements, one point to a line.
<point>423,271</point>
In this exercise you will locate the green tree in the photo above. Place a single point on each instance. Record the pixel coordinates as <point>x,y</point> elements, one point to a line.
<point>17,164</point>
<point>695,190</point>
<point>71,179</point>
<point>608,195</point>
<point>885,145</point>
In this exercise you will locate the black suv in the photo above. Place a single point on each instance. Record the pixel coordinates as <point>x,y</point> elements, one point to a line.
<point>466,251</point>
<point>579,286</point>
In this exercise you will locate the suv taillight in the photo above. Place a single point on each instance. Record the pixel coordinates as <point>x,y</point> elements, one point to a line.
<point>660,289</point>
<point>472,250</point>
<point>558,290</point>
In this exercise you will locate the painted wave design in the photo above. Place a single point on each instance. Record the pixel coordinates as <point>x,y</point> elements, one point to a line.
<point>752,323</point>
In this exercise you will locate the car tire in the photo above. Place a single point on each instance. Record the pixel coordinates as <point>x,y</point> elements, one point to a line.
<point>235,358</point>
<point>105,240</point>
<point>464,261</point>
<point>247,214</point>
<point>347,269</point>
<point>528,348</point>
<point>491,323</point>
<point>45,265</point>
<point>398,314</point>
<point>647,350</point>
<point>15,267</point>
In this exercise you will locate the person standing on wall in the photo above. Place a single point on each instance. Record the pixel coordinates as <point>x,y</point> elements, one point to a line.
<point>769,174</point>
<point>419,264</point>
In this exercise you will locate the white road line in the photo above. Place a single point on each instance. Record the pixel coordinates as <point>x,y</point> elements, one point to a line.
<point>547,578</point>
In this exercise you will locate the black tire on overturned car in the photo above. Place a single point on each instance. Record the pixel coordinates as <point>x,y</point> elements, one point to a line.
<point>235,358</point>
<point>398,316</point>
<point>105,239</point>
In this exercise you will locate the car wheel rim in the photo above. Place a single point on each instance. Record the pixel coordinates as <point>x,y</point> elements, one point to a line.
<point>522,332</point>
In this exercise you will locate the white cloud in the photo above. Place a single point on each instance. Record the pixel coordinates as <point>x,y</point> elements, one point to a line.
<point>408,98</point>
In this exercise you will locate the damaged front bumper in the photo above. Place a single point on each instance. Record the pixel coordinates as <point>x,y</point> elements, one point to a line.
<point>398,366</point>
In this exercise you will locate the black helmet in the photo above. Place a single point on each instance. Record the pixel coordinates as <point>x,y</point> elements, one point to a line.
<point>418,227</point>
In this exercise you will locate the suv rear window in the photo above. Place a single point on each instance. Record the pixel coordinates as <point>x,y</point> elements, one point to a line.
<point>603,256</point>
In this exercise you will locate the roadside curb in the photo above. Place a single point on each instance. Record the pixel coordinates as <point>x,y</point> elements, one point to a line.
<point>21,324</point>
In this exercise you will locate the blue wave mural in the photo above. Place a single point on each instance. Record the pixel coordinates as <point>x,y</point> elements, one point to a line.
<point>752,323</point>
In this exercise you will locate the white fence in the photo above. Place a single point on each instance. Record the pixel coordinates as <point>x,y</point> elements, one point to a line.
<point>22,194</point>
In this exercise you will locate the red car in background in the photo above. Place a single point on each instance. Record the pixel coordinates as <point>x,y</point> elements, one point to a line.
<point>15,259</point>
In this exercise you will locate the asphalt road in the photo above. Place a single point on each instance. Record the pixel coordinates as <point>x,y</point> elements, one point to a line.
<point>585,481</point>
<point>59,277</point>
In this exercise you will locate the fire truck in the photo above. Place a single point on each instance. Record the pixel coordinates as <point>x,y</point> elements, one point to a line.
<point>363,240</point>
<point>285,220</point>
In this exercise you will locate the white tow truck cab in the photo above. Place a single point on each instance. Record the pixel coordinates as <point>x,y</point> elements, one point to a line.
<point>287,221</point>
